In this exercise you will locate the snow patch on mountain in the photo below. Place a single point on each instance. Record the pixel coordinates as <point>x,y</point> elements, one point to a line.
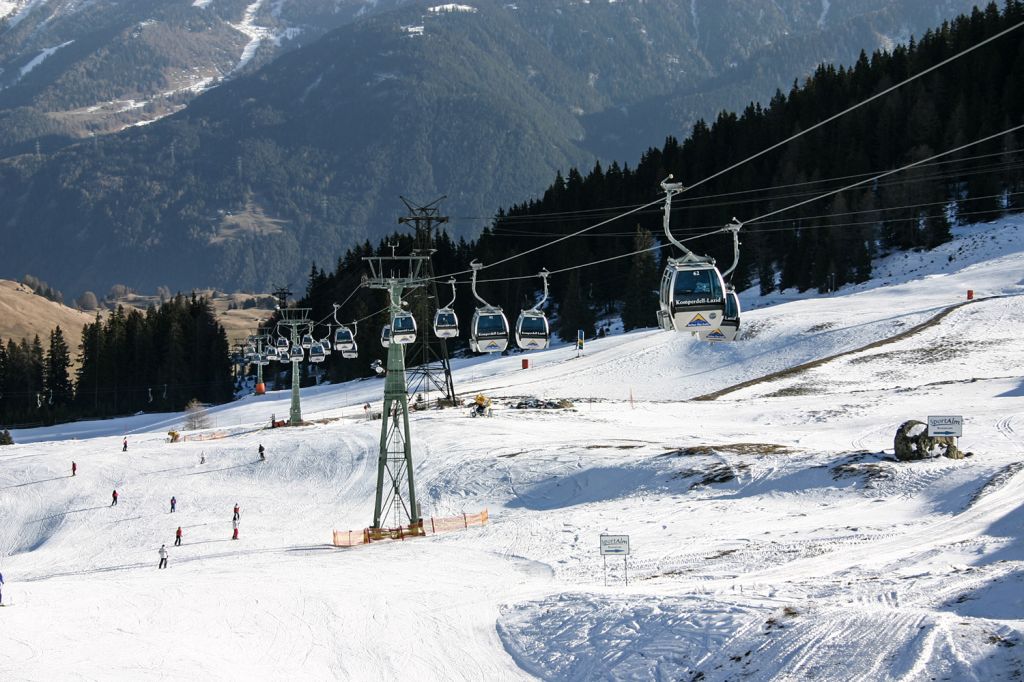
<point>256,34</point>
<point>825,6</point>
<point>201,4</point>
<point>40,58</point>
<point>451,7</point>
<point>22,10</point>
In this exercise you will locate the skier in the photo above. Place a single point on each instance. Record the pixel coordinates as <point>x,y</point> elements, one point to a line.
<point>235,524</point>
<point>202,458</point>
<point>113,502</point>
<point>235,517</point>
<point>177,537</point>
<point>124,446</point>
<point>163,557</point>
<point>262,456</point>
<point>174,503</point>
<point>1,588</point>
<point>74,468</point>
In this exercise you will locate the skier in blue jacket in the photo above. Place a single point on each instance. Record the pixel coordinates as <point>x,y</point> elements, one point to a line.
<point>1,588</point>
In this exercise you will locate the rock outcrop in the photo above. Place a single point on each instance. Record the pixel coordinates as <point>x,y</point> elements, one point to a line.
<point>913,442</point>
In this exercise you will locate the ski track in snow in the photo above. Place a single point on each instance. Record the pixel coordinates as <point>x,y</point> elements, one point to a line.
<point>772,535</point>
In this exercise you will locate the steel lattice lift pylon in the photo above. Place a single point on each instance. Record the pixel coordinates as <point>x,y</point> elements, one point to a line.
<point>394,460</point>
<point>433,370</point>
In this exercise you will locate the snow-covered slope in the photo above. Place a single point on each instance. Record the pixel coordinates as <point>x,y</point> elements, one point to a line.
<point>772,535</point>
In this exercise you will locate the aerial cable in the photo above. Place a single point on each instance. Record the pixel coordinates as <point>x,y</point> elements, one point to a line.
<point>858,105</point>
<point>514,231</point>
<point>775,146</point>
<point>866,181</point>
<point>729,227</point>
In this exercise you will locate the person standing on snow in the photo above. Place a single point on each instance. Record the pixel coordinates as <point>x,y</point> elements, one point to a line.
<point>74,467</point>
<point>262,456</point>
<point>124,446</point>
<point>1,588</point>
<point>236,515</point>
<point>163,557</point>
<point>113,502</point>
<point>174,503</point>
<point>235,524</point>
<point>177,537</point>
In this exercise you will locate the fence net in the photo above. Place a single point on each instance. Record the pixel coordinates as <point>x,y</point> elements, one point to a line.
<point>431,526</point>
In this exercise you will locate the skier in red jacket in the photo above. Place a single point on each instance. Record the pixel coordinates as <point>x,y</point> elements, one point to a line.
<point>177,537</point>
<point>113,502</point>
<point>74,468</point>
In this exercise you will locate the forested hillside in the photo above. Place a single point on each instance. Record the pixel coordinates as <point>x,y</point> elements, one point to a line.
<point>484,103</point>
<point>820,245</point>
<point>153,361</point>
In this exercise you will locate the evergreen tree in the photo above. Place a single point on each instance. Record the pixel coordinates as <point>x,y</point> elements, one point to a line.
<point>640,298</point>
<point>575,312</point>
<point>58,380</point>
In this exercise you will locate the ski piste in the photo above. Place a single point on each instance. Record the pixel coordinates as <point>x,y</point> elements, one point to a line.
<point>772,520</point>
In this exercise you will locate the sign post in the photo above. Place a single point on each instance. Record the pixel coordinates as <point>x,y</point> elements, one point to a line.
<point>946,425</point>
<point>579,342</point>
<point>616,545</point>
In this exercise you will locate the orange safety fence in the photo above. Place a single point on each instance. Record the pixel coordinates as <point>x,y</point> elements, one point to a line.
<point>205,436</point>
<point>431,526</point>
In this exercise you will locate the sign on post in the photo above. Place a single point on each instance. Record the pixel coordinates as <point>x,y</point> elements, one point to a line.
<point>946,425</point>
<point>615,545</point>
<point>579,342</point>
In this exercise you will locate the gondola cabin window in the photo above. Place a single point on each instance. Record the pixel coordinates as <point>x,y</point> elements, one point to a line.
<point>697,287</point>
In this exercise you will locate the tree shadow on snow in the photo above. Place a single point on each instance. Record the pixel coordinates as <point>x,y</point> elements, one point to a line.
<point>213,471</point>
<point>65,513</point>
<point>45,480</point>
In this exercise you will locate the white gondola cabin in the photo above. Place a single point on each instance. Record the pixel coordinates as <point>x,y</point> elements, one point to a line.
<point>344,339</point>
<point>532,330</point>
<point>489,332</point>
<point>403,328</point>
<point>385,335</point>
<point>730,325</point>
<point>446,322</point>
<point>317,352</point>
<point>692,296</point>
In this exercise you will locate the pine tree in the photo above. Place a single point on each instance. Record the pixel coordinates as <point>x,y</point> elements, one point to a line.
<point>575,312</point>
<point>640,298</point>
<point>57,378</point>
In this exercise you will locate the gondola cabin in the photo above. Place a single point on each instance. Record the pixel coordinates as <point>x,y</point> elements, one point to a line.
<point>489,333</point>
<point>532,331</point>
<point>692,297</point>
<point>446,324</point>
<point>730,325</point>
<point>307,341</point>
<point>403,328</point>
<point>343,339</point>
<point>317,352</point>
<point>385,335</point>
<point>296,354</point>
